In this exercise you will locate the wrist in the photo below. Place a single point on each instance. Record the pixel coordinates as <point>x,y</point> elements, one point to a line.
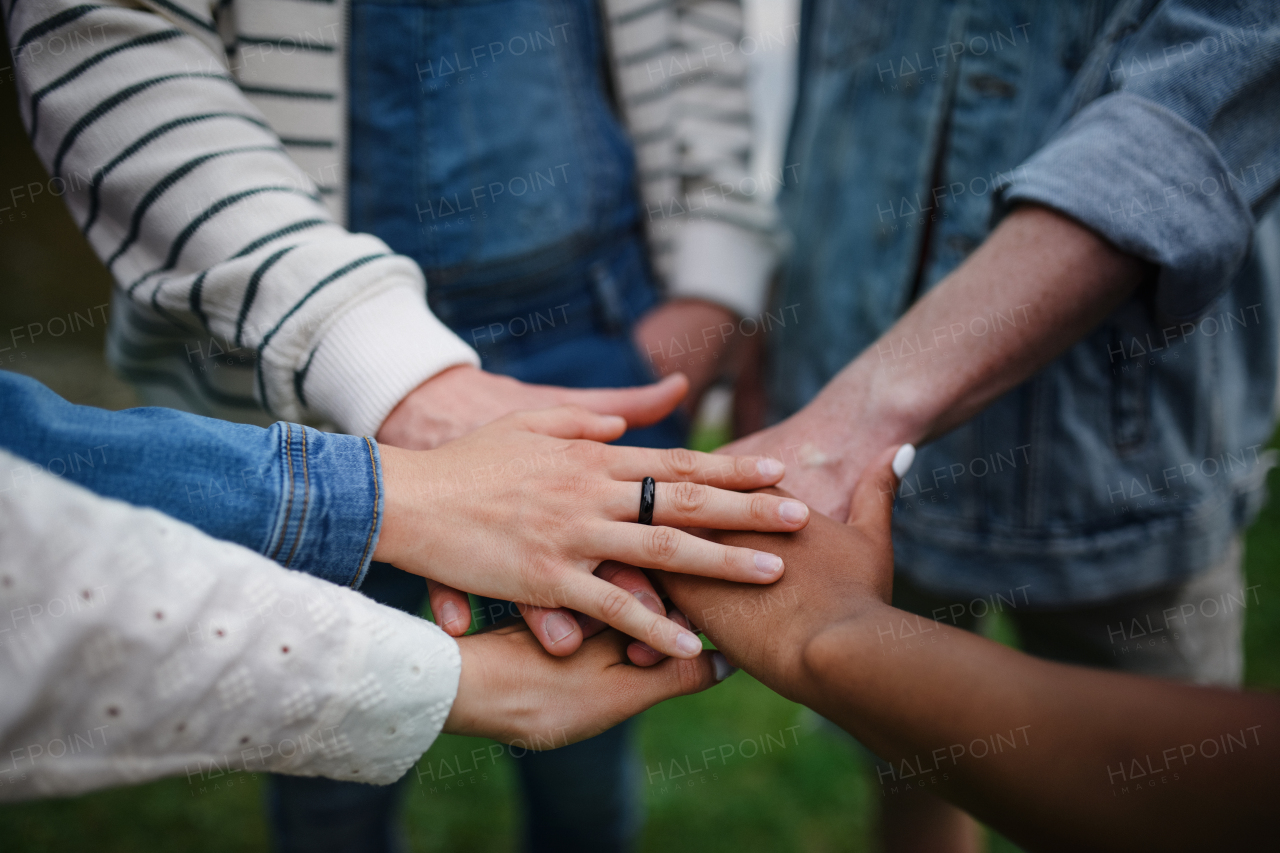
<point>375,353</point>
<point>863,410</point>
<point>464,718</point>
<point>830,654</point>
<point>432,413</point>
<point>403,512</point>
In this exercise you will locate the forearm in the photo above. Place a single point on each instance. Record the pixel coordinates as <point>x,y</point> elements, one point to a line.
<point>1018,741</point>
<point>1056,757</point>
<point>1034,288</point>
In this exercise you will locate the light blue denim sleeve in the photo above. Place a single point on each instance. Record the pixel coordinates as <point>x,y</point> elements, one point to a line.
<point>308,500</point>
<point>1172,149</point>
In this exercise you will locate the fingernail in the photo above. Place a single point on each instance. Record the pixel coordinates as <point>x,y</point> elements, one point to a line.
<point>649,601</point>
<point>724,669</point>
<point>558,626</point>
<point>688,644</point>
<point>448,613</point>
<point>768,564</point>
<point>770,467</point>
<point>792,512</point>
<point>902,460</point>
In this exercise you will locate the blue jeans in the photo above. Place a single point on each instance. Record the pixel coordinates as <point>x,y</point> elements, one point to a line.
<point>539,319</point>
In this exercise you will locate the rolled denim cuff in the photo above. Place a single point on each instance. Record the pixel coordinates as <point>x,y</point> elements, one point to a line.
<point>331,504</point>
<point>1154,186</point>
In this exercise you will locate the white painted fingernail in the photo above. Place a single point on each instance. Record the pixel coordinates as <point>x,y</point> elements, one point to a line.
<point>724,669</point>
<point>770,467</point>
<point>902,460</point>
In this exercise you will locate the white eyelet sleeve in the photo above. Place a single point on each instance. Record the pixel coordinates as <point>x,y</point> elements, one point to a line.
<point>133,646</point>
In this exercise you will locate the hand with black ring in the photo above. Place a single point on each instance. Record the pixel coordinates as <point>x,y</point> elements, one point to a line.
<point>526,508</point>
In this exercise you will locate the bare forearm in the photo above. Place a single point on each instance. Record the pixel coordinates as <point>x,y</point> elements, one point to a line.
<point>1044,752</point>
<point>1035,287</point>
<point>1056,757</point>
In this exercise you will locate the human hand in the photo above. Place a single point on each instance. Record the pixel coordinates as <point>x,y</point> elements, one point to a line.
<point>687,335</point>
<point>828,444</point>
<point>835,572</point>
<point>460,399</point>
<point>525,509</point>
<point>512,691</point>
<point>560,630</point>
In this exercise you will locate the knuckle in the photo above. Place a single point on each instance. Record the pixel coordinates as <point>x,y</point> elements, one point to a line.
<point>654,635</point>
<point>588,453</point>
<point>661,544</point>
<point>538,578</point>
<point>681,461</point>
<point>613,603</point>
<point>688,498</point>
<point>582,484</point>
<point>758,508</point>
<point>689,676</point>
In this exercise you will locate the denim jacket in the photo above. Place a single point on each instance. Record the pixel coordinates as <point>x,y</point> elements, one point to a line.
<point>308,500</point>
<point>1132,459</point>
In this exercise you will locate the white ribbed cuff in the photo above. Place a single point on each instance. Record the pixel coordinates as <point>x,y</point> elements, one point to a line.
<point>373,355</point>
<point>722,263</point>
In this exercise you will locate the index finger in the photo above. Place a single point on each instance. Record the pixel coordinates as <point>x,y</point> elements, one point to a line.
<point>620,609</point>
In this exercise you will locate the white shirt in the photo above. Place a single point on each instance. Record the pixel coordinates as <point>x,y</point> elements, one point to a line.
<point>133,646</point>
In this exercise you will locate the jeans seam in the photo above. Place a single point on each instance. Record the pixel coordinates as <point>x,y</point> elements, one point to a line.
<point>368,542</point>
<point>306,499</point>
<point>288,511</point>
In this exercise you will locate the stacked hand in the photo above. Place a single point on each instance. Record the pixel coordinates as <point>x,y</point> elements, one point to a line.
<point>527,508</point>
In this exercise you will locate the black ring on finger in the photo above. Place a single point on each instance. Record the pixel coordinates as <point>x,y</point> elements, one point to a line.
<point>648,492</point>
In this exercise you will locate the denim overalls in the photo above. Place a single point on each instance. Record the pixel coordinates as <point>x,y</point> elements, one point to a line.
<point>484,146</point>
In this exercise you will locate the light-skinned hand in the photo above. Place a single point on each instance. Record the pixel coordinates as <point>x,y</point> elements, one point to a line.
<point>514,692</point>
<point>456,401</point>
<point>526,508</point>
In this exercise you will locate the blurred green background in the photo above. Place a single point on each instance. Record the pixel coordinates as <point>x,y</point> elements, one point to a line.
<point>816,794</point>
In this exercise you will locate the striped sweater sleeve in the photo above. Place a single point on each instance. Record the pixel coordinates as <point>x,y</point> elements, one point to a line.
<point>196,206</point>
<point>681,71</point>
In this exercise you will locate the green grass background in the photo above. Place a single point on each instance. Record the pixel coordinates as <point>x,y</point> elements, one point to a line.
<point>815,795</point>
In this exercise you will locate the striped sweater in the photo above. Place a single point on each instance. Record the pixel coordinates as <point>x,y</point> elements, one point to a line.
<point>201,147</point>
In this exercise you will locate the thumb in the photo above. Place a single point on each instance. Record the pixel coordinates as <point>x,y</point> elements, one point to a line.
<point>572,422</point>
<point>872,505</point>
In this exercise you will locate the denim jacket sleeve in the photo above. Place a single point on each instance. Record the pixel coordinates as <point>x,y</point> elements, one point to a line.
<point>306,499</point>
<point>1171,148</point>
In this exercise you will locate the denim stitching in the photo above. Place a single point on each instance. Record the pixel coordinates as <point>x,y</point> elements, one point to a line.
<point>373,467</point>
<point>288,512</point>
<point>306,499</point>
